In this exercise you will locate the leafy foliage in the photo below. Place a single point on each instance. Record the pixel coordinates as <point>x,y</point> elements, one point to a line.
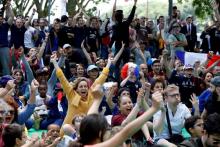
<point>73,6</point>
<point>202,7</point>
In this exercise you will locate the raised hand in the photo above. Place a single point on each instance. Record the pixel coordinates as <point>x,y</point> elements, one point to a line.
<point>157,99</point>
<point>110,62</point>
<point>97,91</point>
<point>10,84</point>
<point>34,85</point>
<point>53,58</point>
<point>140,96</point>
<point>194,101</point>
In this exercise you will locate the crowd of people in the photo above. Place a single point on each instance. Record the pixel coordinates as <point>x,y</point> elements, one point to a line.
<point>108,82</point>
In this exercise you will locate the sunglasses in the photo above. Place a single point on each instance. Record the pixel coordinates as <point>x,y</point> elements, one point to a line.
<point>11,112</point>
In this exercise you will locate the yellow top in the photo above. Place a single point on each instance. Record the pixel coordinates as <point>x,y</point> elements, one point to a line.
<point>75,104</point>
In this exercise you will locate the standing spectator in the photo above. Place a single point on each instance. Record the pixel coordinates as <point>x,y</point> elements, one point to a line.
<point>191,34</point>
<point>30,35</point>
<point>17,33</point>
<point>57,37</point>
<point>176,40</point>
<point>121,34</point>
<point>92,35</point>
<point>4,50</point>
<point>42,31</point>
<point>151,30</point>
<point>142,30</point>
<point>205,36</point>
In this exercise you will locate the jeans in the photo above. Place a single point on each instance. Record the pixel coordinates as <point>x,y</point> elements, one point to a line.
<point>4,60</point>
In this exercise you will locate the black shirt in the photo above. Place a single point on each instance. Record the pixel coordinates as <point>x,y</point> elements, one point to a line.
<point>17,36</point>
<point>79,36</point>
<point>92,36</point>
<point>4,34</point>
<point>121,31</point>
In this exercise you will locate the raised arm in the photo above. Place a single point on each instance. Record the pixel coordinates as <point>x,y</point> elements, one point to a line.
<point>212,66</point>
<point>109,96</point>
<point>113,10</point>
<point>28,70</point>
<point>9,87</point>
<point>64,82</point>
<point>53,79</point>
<point>9,13</point>
<point>27,23</point>
<point>75,17</point>
<point>134,126</point>
<point>118,55</point>
<point>131,16</point>
<point>86,53</point>
<point>195,104</point>
<point>42,48</point>
<point>29,110</point>
<point>104,75</point>
<point>97,93</point>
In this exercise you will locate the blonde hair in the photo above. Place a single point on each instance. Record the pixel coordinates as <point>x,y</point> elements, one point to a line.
<point>169,88</point>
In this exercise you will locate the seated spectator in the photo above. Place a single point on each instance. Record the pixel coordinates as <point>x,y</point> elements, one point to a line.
<point>78,94</point>
<point>126,110</point>
<point>173,114</point>
<point>14,135</point>
<point>98,124</point>
<point>194,126</point>
<point>130,74</point>
<point>210,136</point>
<point>213,102</point>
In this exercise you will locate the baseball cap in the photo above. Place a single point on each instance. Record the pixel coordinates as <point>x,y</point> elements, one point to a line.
<point>188,66</point>
<point>66,46</point>
<point>91,67</point>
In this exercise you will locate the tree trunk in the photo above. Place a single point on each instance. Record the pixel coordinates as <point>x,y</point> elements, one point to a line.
<point>170,9</point>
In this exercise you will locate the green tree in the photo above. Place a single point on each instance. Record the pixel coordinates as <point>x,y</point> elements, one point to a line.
<point>23,7</point>
<point>73,6</point>
<point>202,8</point>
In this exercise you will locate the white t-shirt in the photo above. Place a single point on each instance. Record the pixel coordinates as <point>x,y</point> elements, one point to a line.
<point>28,37</point>
<point>177,121</point>
<point>41,108</point>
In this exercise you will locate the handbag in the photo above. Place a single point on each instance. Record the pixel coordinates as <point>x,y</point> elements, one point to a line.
<point>174,138</point>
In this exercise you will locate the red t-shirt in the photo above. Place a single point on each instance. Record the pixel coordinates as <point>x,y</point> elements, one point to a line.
<point>118,119</point>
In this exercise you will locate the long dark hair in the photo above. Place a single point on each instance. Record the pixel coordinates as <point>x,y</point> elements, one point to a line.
<point>90,128</point>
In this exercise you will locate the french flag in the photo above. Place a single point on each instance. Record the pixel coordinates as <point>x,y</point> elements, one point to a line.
<point>189,58</point>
